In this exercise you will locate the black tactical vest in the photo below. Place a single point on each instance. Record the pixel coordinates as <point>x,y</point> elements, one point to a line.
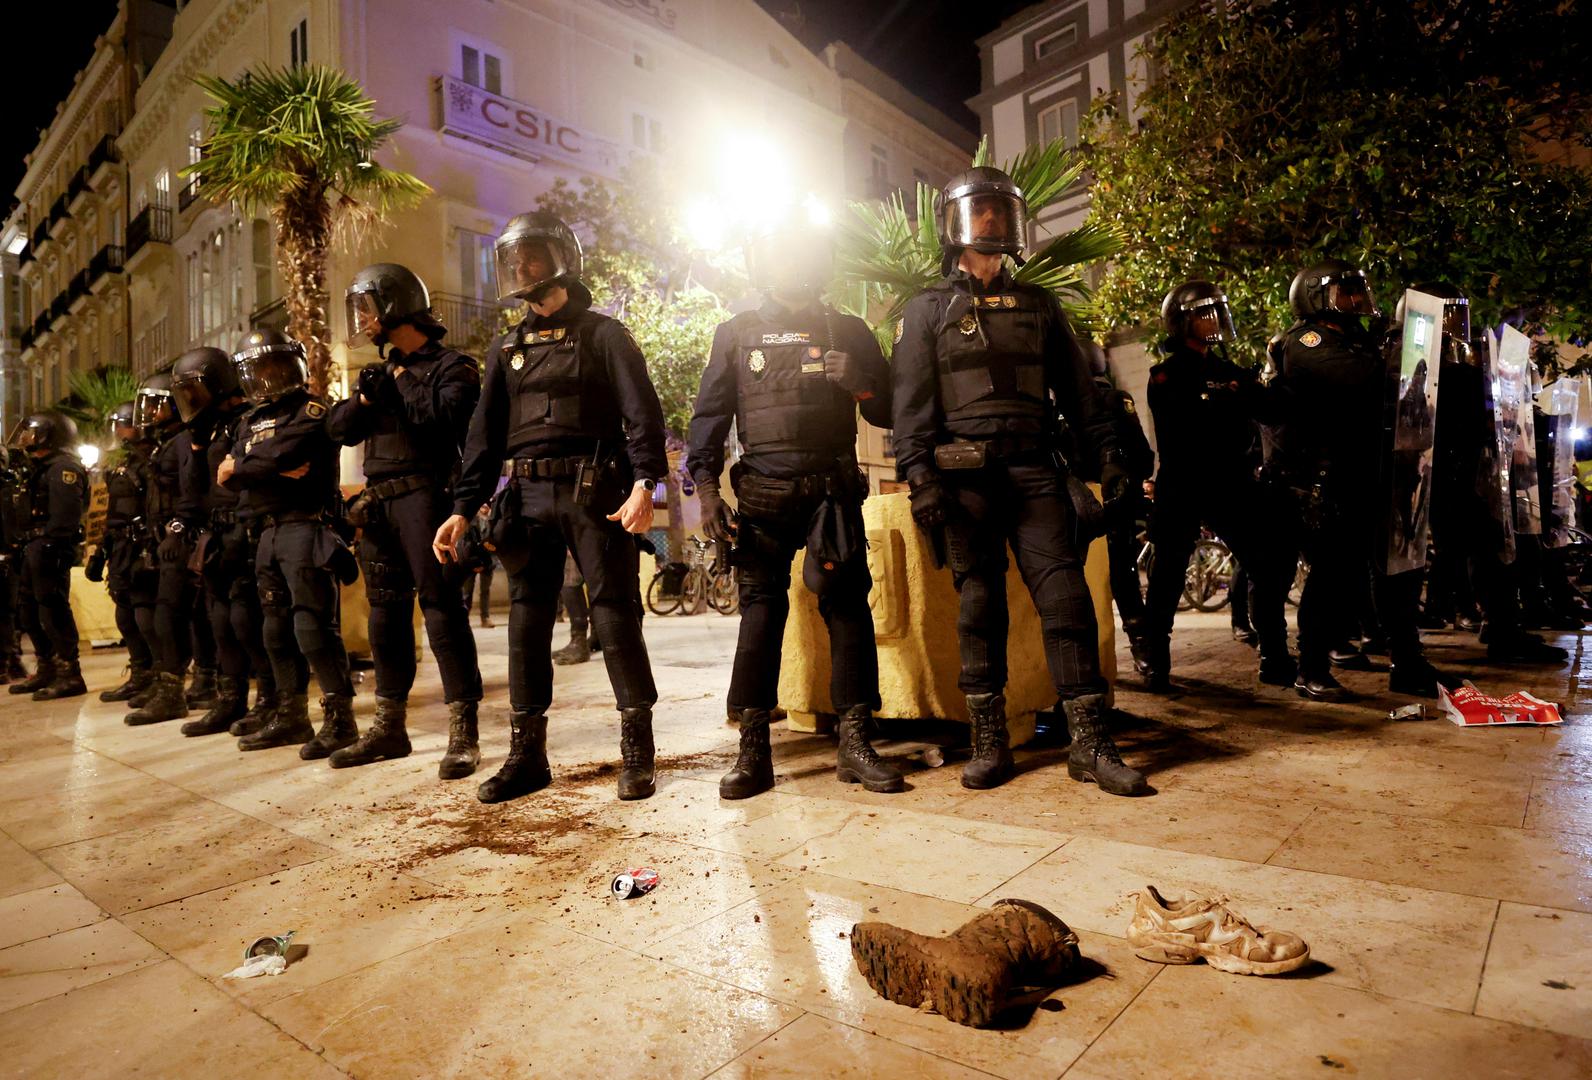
<point>160,493</point>
<point>557,390</point>
<point>396,448</point>
<point>219,496</point>
<point>124,488</point>
<point>990,351</point>
<point>16,512</point>
<point>782,399</point>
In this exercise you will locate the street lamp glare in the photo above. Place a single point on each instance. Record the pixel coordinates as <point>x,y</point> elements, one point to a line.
<point>89,455</point>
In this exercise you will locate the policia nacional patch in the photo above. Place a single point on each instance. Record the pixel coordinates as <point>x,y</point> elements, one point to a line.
<point>1310,339</point>
<point>756,361</point>
<point>314,410</point>
<point>68,476</point>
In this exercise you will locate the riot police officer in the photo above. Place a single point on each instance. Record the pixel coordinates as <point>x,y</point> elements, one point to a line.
<point>982,366</point>
<point>211,404</point>
<point>1204,408</point>
<point>121,560</point>
<point>57,499</point>
<point>791,375</point>
<point>568,413</point>
<point>411,412</point>
<point>14,473</point>
<point>286,466</point>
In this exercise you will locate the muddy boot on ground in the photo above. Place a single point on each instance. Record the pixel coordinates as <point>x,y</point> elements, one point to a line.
<point>992,756</point>
<point>1093,758</point>
<point>232,701</point>
<point>68,682</point>
<point>386,738</point>
<point>636,779</point>
<point>260,714</point>
<point>289,725</point>
<point>525,769</point>
<point>464,743</point>
<point>856,762</point>
<point>202,688</point>
<point>41,677</point>
<point>754,765</point>
<point>165,702</point>
<point>337,728</point>
<point>971,974</point>
<point>578,651</point>
<point>138,679</point>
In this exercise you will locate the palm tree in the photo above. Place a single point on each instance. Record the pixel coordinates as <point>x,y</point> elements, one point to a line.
<point>886,257</point>
<point>299,143</point>
<point>94,396</point>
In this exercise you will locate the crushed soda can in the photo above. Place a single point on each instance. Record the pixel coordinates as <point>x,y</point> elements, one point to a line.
<point>634,883</point>
<point>273,945</point>
<point>1409,712</point>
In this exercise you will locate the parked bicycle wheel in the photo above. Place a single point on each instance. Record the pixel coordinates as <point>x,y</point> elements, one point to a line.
<point>663,595</point>
<point>1209,578</point>
<point>693,592</point>
<point>724,594</point>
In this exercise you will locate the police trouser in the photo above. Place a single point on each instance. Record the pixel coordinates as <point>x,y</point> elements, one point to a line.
<point>8,606</point>
<point>573,597</point>
<point>47,605</point>
<point>764,549</point>
<point>174,605</point>
<point>131,589</point>
<point>299,600</point>
<point>396,558</point>
<point>232,606</point>
<point>1122,545</point>
<point>1238,595</point>
<point>1338,546</point>
<point>1027,507</point>
<point>541,520</point>
<point>1235,516</point>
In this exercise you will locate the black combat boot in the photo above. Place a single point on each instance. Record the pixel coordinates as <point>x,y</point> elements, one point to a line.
<point>165,702</point>
<point>289,725</point>
<point>42,676</point>
<point>635,748</point>
<point>1318,685</point>
<point>260,714</point>
<point>138,678</point>
<point>1093,757</point>
<point>202,687</point>
<point>1278,669</point>
<point>464,743</point>
<point>754,766</point>
<point>68,682</point>
<point>140,699</point>
<point>578,651</point>
<point>386,738</point>
<point>230,705</point>
<point>337,728</point>
<point>14,671</point>
<point>525,769</point>
<point>992,756</point>
<point>855,759</point>
<point>1418,678</point>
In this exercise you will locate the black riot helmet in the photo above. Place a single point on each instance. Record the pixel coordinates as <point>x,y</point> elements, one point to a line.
<point>790,258</point>
<point>122,417</point>
<point>154,412</point>
<point>201,379</point>
<point>385,296</point>
<point>1332,288</point>
<point>269,364</point>
<point>983,209</point>
<point>1198,310</point>
<point>43,432</point>
<point>534,251</point>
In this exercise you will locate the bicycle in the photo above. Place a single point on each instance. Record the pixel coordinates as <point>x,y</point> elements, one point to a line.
<point>724,591</point>
<point>681,586</point>
<point>1208,581</point>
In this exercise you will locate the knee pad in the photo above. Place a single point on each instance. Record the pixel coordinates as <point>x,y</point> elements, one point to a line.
<point>386,582</point>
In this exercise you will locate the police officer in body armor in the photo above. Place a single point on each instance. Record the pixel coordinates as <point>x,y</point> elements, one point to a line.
<point>121,559</point>
<point>981,368</point>
<point>56,501</point>
<point>569,414</point>
<point>791,376</point>
<point>285,466</point>
<point>1204,408</point>
<point>411,411</point>
<point>14,472</point>
<point>211,405</point>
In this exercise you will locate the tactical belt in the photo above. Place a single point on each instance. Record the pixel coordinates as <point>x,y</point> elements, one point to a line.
<point>402,485</point>
<point>223,519</point>
<point>1008,450</point>
<point>267,521</point>
<point>564,468</point>
<point>813,485</point>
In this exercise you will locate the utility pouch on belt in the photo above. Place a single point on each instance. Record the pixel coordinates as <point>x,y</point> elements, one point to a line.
<point>961,455</point>
<point>585,483</point>
<point>958,548</point>
<point>1089,517</point>
<point>358,510</point>
<point>501,518</point>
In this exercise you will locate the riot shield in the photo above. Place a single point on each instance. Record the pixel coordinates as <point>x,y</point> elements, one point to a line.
<point>1413,370</point>
<point>1493,481</point>
<point>1560,408</point>
<point>1517,403</point>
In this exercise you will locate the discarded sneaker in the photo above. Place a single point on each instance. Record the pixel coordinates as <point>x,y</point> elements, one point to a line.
<point>1205,928</point>
<point>969,975</point>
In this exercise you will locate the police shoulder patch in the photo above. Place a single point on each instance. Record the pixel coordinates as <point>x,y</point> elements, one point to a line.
<point>314,410</point>
<point>1310,339</point>
<point>900,330</point>
<point>68,476</point>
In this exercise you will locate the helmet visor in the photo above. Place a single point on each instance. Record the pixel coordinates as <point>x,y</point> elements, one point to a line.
<point>526,264</point>
<point>989,221</point>
<point>1209,319</point>
<point>152,409</point>
<point>1350,293</point>
<point>26,436</point>
<point>791,261</point>
<point>192,396</point>
<point>1456,318</point>
<point>364,318</point>
<point>268,373</point>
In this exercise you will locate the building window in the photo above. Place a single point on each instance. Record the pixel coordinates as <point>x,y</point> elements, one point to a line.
<point>476,271</point>
<point>162,195</point>
<point>1055,41</point>
<point>646,132</point>
<point>1059,121</point>
<point>298,45</point>
<point>479,67</point>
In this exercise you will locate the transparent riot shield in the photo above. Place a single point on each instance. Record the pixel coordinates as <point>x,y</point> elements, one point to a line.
<point>1561,410</point>
<point>1417,364</point>
<point>1493,481</point>
<point>1517,404</point>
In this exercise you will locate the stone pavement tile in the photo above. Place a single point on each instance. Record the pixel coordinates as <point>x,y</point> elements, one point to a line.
<point>937,855</point>
<point>47,772</point>
<point>687,809</point>
<point>347,914</point>
<point>783,831</point>
<point>1197,1022</point>
<point>21,870</point>
<point>812,772</point>
<point>203,766</point>
<point>1553,869</point>
<point>1561,805</point>
<point>524,998</point>
<point>23,738</point>
<point>793,944</point>
<point>48,966</point>
<point>160,1021</point>
<point>1539,970</point>
<point>813,1046</point>
<point>1403,942</point>
<point>1177,817</point>
<point>41,912</point>
<point>80,813</point>
<point>145,867</point>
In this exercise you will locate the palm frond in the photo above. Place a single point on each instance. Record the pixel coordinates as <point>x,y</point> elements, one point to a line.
<point>94,395</point>
<point>1045,173</point>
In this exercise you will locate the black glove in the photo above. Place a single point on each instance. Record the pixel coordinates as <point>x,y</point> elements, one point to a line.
<point>173,549</point>
<point>718,520</point>
<point>929,504</point>
<point>94,570</point>
<point>1114,482</point>
<point>842,369</point>
<point>372,381</point>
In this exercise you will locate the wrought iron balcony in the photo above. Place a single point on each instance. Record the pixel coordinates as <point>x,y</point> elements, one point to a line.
<point>40,234</point>
<point>60,306</point>
<point>107,260</point>
<point>41,324</point>
<point>59,210</point>
<point>78,185</point>
<point>25,338</point>
<point>467,317</point>
<point>189,194</point>
<point>104,152</point>
<point>151,225</point>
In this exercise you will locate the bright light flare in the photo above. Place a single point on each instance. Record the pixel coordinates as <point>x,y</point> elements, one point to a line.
<point>1578,433</point>
<point>705,225</point>
<point>817,211</point>
<point>89,455</point>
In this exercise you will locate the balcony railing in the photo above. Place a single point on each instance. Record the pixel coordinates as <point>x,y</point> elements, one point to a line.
<point>26,257</point>
<point>271,315</point>
<point>108,260</point>
<point>78,185</point>
<point>189,193</point>
<point>59,210</point>
<point>25,339</point>
<point>468,318</point>
<point>104,151</point>
<point>41,324</point>
<point>41,233</point>
<point>60,306</point>
<point>152,224</point>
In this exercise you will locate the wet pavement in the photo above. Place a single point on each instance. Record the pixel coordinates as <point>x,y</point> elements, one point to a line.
<point>1443,878</point>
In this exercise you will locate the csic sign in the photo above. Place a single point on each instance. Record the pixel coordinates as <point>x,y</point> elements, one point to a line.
<point>519,129</point>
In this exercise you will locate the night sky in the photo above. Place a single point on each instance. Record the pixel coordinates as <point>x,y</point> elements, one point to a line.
<point>925,44</point>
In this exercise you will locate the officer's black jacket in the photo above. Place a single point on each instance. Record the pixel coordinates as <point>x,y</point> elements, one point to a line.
<point>1331,388</point>
<point>59,497</point>
<point>919,419</point>
<point>217,443</point>
<point>193,479</point>
<point>124,486</point>
<point>164,487</point>
<point>772,326</point>
<point>277,437</point>
<point>1204,408</point>
<point>1137,457</point>
<point>422,424</point>
<point>616,393</point>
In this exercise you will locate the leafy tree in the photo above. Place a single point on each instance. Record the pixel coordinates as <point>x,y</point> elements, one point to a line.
<point>1407,138</point>
<point>94,397</point>
<point>299,142</point>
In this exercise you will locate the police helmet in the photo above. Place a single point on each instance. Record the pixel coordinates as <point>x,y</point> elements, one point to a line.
<point>269,364</point>
<point>1198,310</point>
<point>202,378</point>
<point>534,251</point>
<point>1332,288</point>
<point>385,296</point>
<point>983,209</point>
<point>154,413</point>
<point>789,257</point>
<point>122,417</point>
<point>45,431</point>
